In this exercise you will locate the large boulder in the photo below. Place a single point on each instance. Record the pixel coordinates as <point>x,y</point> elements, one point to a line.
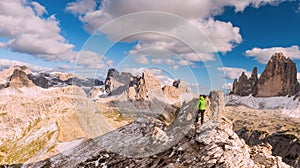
<point>279,78</point>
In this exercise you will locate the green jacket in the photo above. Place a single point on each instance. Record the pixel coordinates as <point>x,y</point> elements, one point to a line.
<point>201,103</point>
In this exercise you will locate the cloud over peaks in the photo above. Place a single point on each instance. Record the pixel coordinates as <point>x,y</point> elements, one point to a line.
<point>263,55</point>
<point>233,73</point>
<point>218,36</point>
<point>5,63</point>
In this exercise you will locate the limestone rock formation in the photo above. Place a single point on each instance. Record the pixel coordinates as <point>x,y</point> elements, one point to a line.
<point>141,86</point>
<point>19,79</point>
<point>171,92</point>
<point>116,83</point>
<point>145,143</point>
<point>147,83</point>
<point>216,106</point>
<point>180,84</point>
<point>47,80</point>
<point>6,74</point>
<point>64,76</point>
<point>245,86</point>
<point>279,78</point>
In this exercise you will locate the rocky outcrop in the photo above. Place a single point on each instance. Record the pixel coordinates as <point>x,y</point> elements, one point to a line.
<point>244,86</point>
<point>279,78</point>
<point>146,84</point>
<point>216,106</point>
<point>141,86</point>
<point>19,79</point>
<point>116,83</point>
<point>171,92</point>
<point>175,91</point>
<point>45,80</point>
<point>63,76</point>
<point>6,74</point>
<point>181,86</point>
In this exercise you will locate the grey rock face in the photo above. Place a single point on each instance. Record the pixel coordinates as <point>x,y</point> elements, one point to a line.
<point>217,105</point>
<point>278,79</point>
<point>46,80</point>
<point>245,86</point>
<point>116,83</point>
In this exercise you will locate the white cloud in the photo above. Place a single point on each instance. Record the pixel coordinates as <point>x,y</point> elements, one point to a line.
<point>175,67</point>
<point>39,9</point>
<point>233,73</point>
<point>110,9</point>
<point>5,63</point>
<point>298,76</point>
<point>81,6</point>
<point>65,67</point>
<point>263,55</point>
<point>227,86</point>
<point>2,45</point>
<point>91,60</point>
<point>28,32</point>
<point>218,36</point>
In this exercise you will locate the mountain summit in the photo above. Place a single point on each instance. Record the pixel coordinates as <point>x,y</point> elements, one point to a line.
<point>278,79</point>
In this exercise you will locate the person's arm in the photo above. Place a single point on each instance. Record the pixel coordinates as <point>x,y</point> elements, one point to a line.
<point>198,105</point>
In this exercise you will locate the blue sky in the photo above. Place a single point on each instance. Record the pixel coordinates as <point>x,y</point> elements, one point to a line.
<point>206,43</point>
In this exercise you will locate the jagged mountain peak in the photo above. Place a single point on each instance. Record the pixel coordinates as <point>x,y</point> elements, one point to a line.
<point>278,79</point>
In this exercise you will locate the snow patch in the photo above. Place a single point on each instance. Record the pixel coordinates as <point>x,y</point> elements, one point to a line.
<point>287,105</point>
<point>66,147</point>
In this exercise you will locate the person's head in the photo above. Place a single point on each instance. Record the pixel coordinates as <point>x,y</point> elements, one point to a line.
<point>202,95</point>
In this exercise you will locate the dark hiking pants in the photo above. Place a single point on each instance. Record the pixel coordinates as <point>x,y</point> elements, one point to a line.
<point>197,116</point>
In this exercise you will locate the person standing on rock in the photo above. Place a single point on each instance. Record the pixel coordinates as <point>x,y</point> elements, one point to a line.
<point>201,105</point>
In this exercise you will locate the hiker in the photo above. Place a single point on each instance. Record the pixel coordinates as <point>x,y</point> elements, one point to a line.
<point>201,105</point>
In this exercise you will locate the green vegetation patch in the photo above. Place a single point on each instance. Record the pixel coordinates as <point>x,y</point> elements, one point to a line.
<point>16,152</point>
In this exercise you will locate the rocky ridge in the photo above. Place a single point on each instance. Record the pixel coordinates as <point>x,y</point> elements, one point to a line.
<point>21,76</point>
<point>145,143</point>
<point>278,79</point>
